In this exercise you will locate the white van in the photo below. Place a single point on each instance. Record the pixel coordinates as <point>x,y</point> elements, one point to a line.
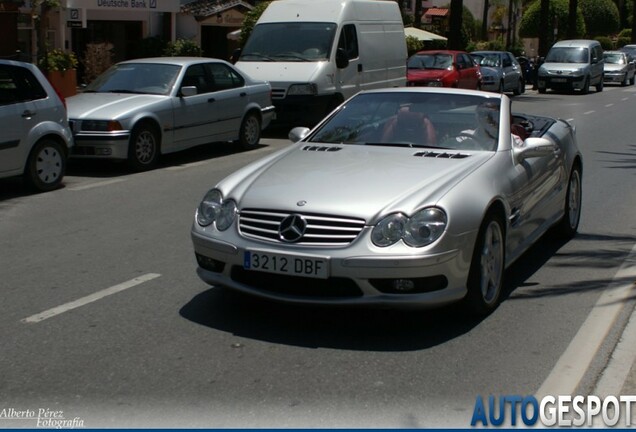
<point>316,54</point>
<point>572,65</point>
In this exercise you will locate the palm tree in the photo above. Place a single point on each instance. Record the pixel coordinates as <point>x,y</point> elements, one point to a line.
<point>455,35</point>
<point>572,19</point>
<point>545,38</point>
<point>484,21</point>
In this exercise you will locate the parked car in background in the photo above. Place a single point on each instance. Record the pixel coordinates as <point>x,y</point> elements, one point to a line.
<point>500,72</point>
<point>142,108</point>
<point>401,197</point>
<point>443,68</point>
<point>36,137</point>
<point>619,68</point>
<point>629,49</point>
<point>572,65</point>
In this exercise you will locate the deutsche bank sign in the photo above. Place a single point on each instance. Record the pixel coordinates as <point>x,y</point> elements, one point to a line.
<point>126,5</point>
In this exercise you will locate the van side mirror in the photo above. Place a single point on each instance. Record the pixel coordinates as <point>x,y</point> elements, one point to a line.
<point>342,60</point>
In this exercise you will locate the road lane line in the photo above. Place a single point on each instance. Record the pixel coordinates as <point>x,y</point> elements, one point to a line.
<point>574,362</point>
<point>609,105</point>
<point>96,184</point>
<point>624,99</point>
<point>89,298</point>
<point>589,112</point>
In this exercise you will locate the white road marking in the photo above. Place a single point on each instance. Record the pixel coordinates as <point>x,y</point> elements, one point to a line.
<point>96,184</point>
<point>89,298</point>
<point>609,105</point>
<point>624,99</point>
<point>574,362</point>
<point>188,165</point>
<point>589,112</point>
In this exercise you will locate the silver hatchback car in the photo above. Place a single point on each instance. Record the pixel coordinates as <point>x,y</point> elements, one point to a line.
<point>36,138</point>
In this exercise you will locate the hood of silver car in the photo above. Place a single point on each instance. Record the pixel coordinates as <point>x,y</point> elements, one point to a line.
<point>356,180</point>
<point>107,105</point>
<point>611,67</point>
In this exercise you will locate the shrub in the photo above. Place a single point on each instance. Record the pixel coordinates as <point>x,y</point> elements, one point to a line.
<point>622,41</point>
<point>182,47</point>
<point>605,42</point>
<point>529,25</point>
<point>413,45</point>
<point>97,58</point>
<point>601,16</point>
<point>58,60</point>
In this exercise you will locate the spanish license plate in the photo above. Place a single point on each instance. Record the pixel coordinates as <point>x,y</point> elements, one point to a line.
<point>314,267</point>
<point>559,80</point>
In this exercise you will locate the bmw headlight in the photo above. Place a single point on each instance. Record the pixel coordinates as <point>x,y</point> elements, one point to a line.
<point>101,125</point>
<point>212,208</point>
<point>424,227</point>
<point>421,229</point>
<point>302,90</point>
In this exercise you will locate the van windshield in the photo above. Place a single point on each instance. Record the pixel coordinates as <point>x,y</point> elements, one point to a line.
<point>289,42</point>
<point>567,55</point>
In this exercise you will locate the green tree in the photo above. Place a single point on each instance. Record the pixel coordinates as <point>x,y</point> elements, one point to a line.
<point>601,17</point>
<point>558,14</point>
<point>250,21</point>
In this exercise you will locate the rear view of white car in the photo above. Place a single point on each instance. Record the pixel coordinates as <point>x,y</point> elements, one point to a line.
<point>36,138</point>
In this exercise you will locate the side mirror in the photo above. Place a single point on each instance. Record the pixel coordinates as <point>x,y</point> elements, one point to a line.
<point>535,147</point>
<point>342,60</point>
<point>298,133</point>
<point>458,66</point>
<point>188,91</point>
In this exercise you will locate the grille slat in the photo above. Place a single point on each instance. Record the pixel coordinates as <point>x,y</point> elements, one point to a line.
<point>321,229</point>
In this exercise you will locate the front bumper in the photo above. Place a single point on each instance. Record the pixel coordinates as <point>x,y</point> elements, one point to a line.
<point>561,82</point>
<point>614,77</point>
<point>357,274</point>
<point>101,145</point>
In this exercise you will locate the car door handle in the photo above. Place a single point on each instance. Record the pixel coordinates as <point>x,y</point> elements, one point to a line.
<point>211,100</point>
<point>28,113</point>
<point>243,94</point>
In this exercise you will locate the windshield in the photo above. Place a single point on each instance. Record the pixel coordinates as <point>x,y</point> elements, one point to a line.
<point>415,119</point>
<point>614,58</point>
<point>430,61</point>
<point>492,60</point>
<point>567,55</point>
<point>290,42</point>
<point>148,78</point>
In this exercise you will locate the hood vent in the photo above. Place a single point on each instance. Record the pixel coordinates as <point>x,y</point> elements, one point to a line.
<point>321,148</point>
<point>442,155</point>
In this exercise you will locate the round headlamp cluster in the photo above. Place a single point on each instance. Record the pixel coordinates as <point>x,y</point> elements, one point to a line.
<point>421,229</point>
<point>213,209</point>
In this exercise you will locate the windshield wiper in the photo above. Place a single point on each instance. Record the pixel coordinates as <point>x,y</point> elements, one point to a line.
<point>294,56</point>
<point>263,56</point>
<point>123,91</point>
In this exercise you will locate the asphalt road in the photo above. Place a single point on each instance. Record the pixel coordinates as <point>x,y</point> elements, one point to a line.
<point>104,320</point>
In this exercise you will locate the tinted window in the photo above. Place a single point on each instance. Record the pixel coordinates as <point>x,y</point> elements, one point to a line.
<point>349,41</point>
<point>18,84</point>
<point>223,77</point>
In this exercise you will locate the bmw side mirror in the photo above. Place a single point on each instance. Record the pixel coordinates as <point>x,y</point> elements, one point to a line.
<point>188,91</point>
<point>342,60</point>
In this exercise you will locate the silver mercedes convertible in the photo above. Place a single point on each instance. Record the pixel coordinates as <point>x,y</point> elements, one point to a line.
<point>400,197</point>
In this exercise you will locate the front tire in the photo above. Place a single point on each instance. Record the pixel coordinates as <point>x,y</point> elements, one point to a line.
<point>586,86</point>
<point>485,278</point>
<point>143,148</point>
<point>250,132</point>
<point>599,86</point>
<point>569,224</point>
<point>46,165</point>
<point>521,88</point>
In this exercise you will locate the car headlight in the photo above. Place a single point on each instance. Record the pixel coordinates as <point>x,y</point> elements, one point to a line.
<point>424,227</point>
<point>302,90</point>
<point>421,229</point>
<point>101,125</point>
<point>214,209</point>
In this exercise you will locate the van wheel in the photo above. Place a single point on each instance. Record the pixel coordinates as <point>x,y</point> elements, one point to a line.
<point>599,86</point>
<point>46,165</point>
<point>143,148</point>
<point>250,132</point>
<point>632,80</point>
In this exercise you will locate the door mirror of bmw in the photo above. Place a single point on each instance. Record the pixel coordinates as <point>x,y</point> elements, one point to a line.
<point>188,91</point>
<point>535,147</point>
<point>298,133</point>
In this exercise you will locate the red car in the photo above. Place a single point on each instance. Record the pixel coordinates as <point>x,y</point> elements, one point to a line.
<point>443,68</point>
